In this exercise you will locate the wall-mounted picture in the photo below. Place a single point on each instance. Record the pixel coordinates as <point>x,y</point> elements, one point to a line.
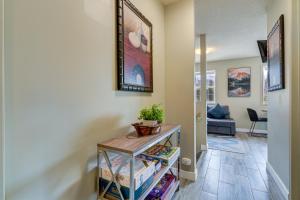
<point>276,56</point>
<point>239,82</point>
<point>134,49</point>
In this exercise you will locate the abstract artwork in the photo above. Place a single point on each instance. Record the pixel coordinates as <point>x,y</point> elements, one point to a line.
<point>134,46</point>
<point>239,82</point>
<point>276,56</point>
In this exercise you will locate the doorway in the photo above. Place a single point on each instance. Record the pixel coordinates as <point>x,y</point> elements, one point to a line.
<point>230,73</point>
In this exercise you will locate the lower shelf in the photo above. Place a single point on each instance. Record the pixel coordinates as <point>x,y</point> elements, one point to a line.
<point>157,178</point>
<point>172,191</point>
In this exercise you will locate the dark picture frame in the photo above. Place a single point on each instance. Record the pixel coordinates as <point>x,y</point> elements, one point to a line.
<point>276,62</point>
<point>239,82</point>
<point>134,49</point>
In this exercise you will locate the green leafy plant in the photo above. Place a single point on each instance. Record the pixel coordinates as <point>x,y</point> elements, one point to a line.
<point>155,113</point>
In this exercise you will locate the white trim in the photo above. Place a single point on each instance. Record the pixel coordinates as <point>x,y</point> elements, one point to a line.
<point>192,176</point>
<point>245,130</point>
<point>203,147</point>
<point>284,191</point>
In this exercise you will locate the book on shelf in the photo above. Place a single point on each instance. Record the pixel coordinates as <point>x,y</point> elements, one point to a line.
<point>162,189</point>
<point>113,193</point>
<point>156,161</point>
<point>165,153</point>
<point>143,169</point>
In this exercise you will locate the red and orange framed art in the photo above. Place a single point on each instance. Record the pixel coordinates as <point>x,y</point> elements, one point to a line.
<point>134,49</point>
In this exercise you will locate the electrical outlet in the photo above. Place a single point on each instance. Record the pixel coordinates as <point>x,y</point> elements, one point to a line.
<point>186,161</point>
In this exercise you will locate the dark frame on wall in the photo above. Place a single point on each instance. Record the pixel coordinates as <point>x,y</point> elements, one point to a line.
<point>134,49</point>
<point>276,61</point>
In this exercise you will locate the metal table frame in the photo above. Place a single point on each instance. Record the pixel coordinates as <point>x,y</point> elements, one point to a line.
<point>101,151</point>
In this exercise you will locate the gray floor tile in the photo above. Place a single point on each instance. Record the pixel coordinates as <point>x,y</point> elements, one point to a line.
<point>259,195</point>
<point>211,181</point>
<point>232,176</point>
<point>226,191</point>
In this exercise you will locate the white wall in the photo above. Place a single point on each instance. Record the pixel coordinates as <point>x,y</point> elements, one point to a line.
<point>180,74</point>
<point>279,102</point>
<point>238,106</point>
<point>61,97</point>
<point>2,180</point>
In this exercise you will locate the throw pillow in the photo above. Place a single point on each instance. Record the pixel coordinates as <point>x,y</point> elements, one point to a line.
<point>217,112</point>
<point>208,113</point>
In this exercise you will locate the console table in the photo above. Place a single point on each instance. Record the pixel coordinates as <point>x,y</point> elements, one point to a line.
<point>129,146</point>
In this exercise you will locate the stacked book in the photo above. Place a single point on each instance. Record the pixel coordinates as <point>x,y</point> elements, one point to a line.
<point>143,176</point>
<point>156,161</point>
<point>166,154</point>
<point>161,190</point>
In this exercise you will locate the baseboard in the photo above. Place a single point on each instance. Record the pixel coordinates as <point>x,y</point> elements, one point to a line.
<point>203,147</point>
<point>284,191</point>
<point>245,130</point>
<point>192,176</point>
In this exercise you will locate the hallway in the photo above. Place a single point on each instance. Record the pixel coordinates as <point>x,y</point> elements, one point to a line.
<point>231,176</point>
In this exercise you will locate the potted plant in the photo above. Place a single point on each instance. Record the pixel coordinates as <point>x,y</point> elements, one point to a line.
<point>151,119</point>
<point>152,115</point>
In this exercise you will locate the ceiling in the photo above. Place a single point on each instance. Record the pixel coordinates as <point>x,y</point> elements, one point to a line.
<point>232,27</point>
<point>166,2</point>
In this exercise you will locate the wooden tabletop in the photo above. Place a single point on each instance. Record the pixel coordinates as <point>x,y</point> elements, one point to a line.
<point>133,145</point>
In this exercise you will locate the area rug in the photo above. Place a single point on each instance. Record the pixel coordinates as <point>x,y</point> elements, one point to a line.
<point>225,143</point>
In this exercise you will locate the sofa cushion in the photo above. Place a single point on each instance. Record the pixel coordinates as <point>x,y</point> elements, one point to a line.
<point>221,126</point>
<point>217,112</point>
<point>220,122</point>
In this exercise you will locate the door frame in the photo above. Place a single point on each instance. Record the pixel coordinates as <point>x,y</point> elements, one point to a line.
<point>295,104</point>
<point>203,70</point>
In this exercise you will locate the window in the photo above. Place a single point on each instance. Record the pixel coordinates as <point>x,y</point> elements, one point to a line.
<point>265,84</point>
<point>198,86</point>
<point>211,87</point>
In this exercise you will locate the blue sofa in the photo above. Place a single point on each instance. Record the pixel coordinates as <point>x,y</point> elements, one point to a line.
<point>221,126</point>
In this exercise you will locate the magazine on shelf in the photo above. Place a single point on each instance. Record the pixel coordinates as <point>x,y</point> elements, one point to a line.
<point>143,169</point>
<point>165,153</point>
<point>150,158</point>
<point>162,189</point>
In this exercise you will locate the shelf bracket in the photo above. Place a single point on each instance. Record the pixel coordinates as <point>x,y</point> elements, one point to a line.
<point>114,175</point>
<point>168,141</point>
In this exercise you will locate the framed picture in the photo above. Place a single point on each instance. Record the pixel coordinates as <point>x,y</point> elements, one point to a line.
<point>276,56</point>
<point>239,82</point>
<point>134,49</point>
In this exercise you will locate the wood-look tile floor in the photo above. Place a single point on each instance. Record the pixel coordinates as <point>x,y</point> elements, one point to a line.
<point>231,176</point>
